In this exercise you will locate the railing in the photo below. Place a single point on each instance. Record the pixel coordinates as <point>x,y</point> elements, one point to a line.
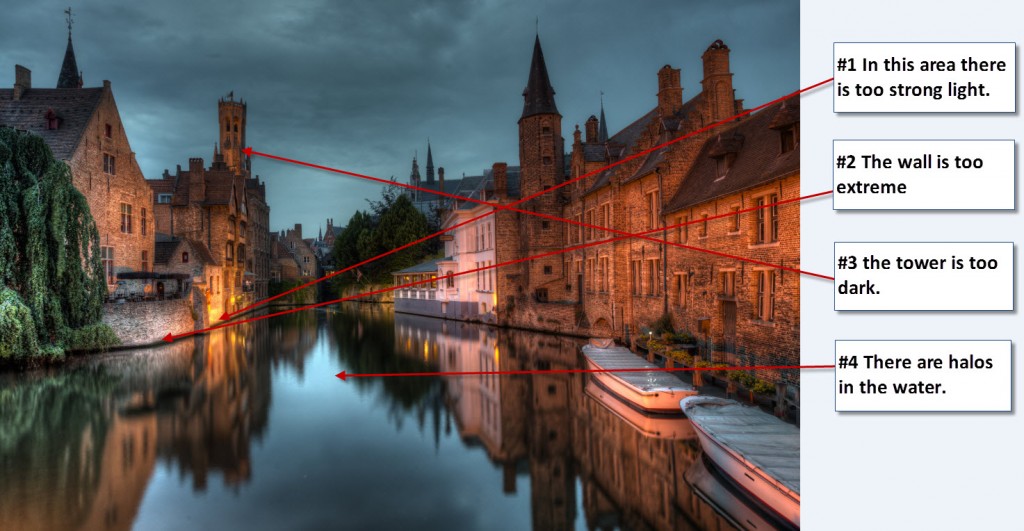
<point>424,294</point>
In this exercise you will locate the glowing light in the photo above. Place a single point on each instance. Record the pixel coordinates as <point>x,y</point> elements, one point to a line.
<point>497,355</point>
<point>426,349</point>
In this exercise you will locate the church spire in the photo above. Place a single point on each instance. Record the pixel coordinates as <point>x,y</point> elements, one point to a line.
<point>430,164</point>
<point>414,177</point>
<point>539,96</point>
<point>602,135</point>
<point>70,77</point>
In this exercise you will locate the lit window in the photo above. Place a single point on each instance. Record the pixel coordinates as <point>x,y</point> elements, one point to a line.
<point>184,257</point>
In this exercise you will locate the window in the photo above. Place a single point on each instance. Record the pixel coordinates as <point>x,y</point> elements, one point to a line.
<point>682,288</point>
<point>107,259</point>
<point>723,164</point>
<point>184,257</point>
<point>591,275</point>
<point>449,280</point>
<point>108,131</point>
<point>142,221</point>
<point>735,218</point>
<point>654,276</point>
<point>589,220</point>
<point>790,137</point>
<point>545,224</point>
<point>579,229</point>
<point>704,226</point>
<point>604,270</point>
<point>606,218</point>
<point>635,275</point>
<point>227,126</point>
<point>108,164</point>
<point>545,130</point>
<point>241,253</point>
<point>229,251</point>
<point>126,218</point>
<point>683,230</point>
<point>547,270</point>
<point>767,219</point>
<point>547,161</point>
<point>653,208</point>
<point>145,260</point>
<point>766,295</point>
<point>728,283</point>
<point>541,294</point>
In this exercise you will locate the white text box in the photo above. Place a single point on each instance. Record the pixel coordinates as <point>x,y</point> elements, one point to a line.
<point>923,375</point>
<point>924,77</point>
<point>933,276</point>
<point>923,175</point>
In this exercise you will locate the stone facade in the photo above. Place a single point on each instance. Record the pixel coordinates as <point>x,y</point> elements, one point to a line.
<point>142,323</point>
<point>739,311</point>
<point>299,250</point>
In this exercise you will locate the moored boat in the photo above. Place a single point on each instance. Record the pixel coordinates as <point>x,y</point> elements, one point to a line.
<point>756,451</point>
<point>642,384</point>
<point>673,427</point>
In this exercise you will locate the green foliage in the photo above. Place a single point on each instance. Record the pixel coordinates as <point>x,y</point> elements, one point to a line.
<point>762,387</point>
<point>302,296</point>
<point>392,222</point>
<point>97,336</point>
<point>663,325</point>
<point>681,356</point>
<point>49,251</point>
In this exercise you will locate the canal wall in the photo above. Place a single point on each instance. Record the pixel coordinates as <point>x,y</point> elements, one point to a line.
<point>142,323</point>
<point>388,297</point>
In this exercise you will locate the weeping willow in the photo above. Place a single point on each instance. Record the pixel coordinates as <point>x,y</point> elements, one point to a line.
<point>51,277</point>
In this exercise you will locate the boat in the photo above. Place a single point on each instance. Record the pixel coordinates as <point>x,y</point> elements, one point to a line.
<point>674,427</point>
<point>650,390</point>
<point>755,451</point>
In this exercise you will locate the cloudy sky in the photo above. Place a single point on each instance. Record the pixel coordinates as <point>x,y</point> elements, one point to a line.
<point>361,85</point>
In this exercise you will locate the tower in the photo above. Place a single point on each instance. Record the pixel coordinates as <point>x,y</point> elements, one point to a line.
<point>541,167</point>
<point>231,117</point>
<point>540,131</point>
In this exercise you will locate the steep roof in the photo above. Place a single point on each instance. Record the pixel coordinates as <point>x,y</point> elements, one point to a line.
<point>430,266</point>
<point>70,77</point>
<point>757,148</point>
<point>538,96</point>
<point>74,108</point>
<point>167,247</point>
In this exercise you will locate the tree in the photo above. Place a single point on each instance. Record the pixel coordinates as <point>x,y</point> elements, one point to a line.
<point>51,278</point>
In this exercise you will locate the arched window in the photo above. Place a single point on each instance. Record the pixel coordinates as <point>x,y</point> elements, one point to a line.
<point>236,127</point>
<point>227,126</point>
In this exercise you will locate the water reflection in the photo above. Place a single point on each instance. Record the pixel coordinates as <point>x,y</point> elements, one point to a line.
<point>90,446</point>
<point>78,445</point>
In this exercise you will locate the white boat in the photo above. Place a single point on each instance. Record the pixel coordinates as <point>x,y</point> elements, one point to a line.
<point>650,390</point>
<point>653,426</point>
<point>756,451</point>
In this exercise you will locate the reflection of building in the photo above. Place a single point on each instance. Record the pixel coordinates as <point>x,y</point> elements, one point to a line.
<point>82,127</point>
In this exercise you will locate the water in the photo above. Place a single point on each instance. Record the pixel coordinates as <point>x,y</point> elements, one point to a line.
<point>249,428</point>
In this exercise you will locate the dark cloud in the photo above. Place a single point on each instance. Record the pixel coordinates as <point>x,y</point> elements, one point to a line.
<point>361,85</point>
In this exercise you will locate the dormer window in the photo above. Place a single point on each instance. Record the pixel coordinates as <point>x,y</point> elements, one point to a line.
<point>790,137</point>
<point>163,199</point>
<point>52,122</point>
<point>723,163</point>
<point>184,257</point>
<point>108,131</point>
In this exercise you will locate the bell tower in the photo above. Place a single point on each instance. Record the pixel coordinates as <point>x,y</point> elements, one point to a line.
<point>231,120</point>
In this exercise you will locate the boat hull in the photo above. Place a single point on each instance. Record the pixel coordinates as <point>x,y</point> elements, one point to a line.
<point>762,487</point>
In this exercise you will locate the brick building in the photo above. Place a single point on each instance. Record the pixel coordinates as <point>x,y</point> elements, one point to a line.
<point>739,311</point>
<point>223,208</point>
<point>83,128</point>
<point>299,250</point>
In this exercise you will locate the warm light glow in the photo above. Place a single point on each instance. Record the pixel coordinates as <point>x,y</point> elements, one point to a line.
<point>426,349</point>
<point>497,355</point>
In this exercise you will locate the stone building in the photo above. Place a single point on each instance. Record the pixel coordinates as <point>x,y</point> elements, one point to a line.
<point>739,311</point>
<point>82,126</point>
<point>300,250</point>
<point>193,258</point>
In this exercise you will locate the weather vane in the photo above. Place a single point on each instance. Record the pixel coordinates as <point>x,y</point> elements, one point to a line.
<point>69,19</point>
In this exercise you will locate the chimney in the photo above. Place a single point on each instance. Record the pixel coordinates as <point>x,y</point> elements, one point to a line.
<point>196,180</point>
<point>298,230</point>
<point>670,91</point>
<point>500,173</point>
<point>22,81</point>
<point>591,127</point>
<point>720,98</point>
<point>440,179</point>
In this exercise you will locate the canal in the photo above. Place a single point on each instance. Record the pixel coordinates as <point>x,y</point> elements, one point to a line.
<point>249,428</point>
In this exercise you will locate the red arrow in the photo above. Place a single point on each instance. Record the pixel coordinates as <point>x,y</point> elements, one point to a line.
<point>344,376</point>
<point>249,151</point>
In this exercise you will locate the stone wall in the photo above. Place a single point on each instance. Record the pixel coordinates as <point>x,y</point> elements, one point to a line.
<point>140,323</point>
